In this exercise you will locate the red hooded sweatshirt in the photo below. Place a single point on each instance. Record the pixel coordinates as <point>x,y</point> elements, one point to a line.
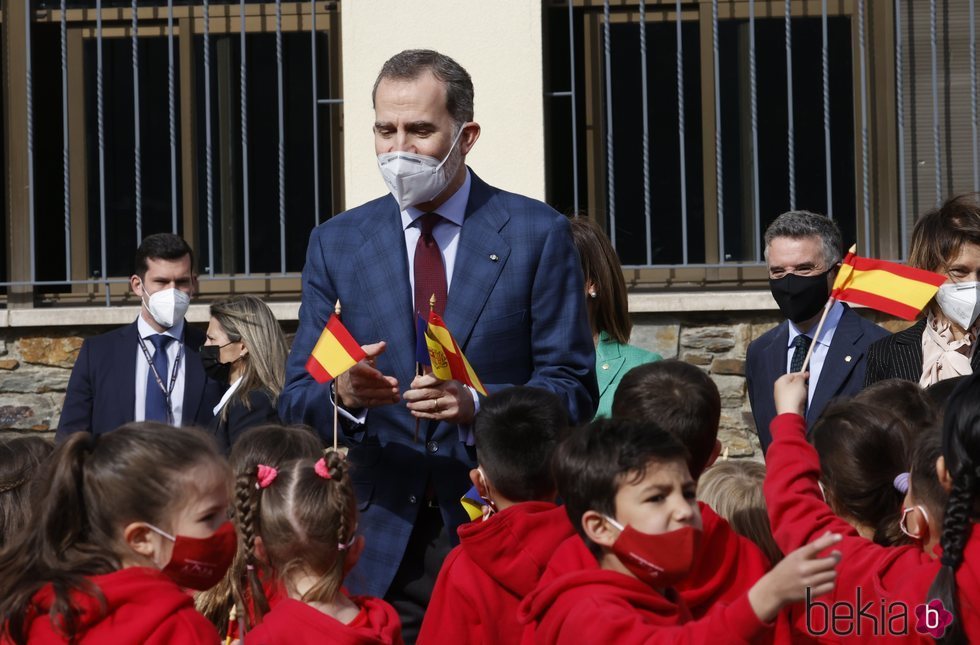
<point>869,576</point>
<point>142,605</point>
<point>484,579</point>
<point>593,605</point>
<point>293,622</point>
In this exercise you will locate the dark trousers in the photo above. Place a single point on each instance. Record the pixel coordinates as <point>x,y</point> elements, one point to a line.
<point>412,586</point>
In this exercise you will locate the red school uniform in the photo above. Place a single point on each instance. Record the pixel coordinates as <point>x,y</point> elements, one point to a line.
<point>867,574</point>
<point>142,605</point>
<point>484,579</point>
<point>295,623</point>
<point>593,605</point>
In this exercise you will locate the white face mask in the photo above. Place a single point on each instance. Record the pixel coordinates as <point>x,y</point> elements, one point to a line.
<point>414,178</point>
<point>167,306</point>
<point>959,302</point>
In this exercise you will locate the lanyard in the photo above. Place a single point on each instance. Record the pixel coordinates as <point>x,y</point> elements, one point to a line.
<point>167,392</point>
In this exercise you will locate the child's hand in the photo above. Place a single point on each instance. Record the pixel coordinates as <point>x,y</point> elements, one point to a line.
<point>789,393</point>
<point>789,580</point>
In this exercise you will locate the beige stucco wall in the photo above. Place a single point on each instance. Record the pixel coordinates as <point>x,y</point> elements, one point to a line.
<point>499,43</point>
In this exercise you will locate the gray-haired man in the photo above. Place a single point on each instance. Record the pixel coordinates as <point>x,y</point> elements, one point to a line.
<point>803,253</point>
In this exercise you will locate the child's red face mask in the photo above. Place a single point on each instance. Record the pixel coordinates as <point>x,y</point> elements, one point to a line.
<point>659,559</point>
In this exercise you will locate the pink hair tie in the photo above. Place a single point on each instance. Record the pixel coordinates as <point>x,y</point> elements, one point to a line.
<point>321,469</point>
<point>264,476</point>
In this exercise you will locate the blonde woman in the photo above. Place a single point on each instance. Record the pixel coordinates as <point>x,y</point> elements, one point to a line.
<point>246,349</point>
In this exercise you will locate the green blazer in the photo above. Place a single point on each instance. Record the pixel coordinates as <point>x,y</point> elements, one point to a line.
<point>612,361</point>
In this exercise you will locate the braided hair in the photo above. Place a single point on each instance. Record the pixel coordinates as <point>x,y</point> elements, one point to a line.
<point>272,445</point>
<point>307,518</point>
<point>961,451</point>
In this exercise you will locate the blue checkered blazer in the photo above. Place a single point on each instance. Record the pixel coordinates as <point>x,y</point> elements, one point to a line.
<point>516,306</point>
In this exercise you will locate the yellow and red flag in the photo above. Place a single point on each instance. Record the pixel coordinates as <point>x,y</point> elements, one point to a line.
<point>446,357</point>
<point>893,288</point>
<point>335,352</point>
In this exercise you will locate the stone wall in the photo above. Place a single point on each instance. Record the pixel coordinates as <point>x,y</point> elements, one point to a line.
<point>35,364</point>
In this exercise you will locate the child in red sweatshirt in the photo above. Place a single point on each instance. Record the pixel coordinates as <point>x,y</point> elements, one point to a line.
<point>628,492</point>
<point>500,560</point>
<point>301,520</point>
<point>894,582</point>
<point>124,525</point>
<point>682,400</point>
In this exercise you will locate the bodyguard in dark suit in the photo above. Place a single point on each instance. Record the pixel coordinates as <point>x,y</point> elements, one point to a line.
<point>510,283</point>
<point>151,368</point>
<point>803,254</point>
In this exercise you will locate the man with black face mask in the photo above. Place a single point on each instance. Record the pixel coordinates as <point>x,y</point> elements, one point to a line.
<point>803,254</point>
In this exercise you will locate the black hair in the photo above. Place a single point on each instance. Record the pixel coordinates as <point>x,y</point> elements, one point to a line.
<point>408,65</point>
<point>862,449</point>
<point>595,460</point>
<point>905,400</point>
<point>516,433</point>
<point>961,450</point>
<point>160,246</point>
<point>928,447</point>
<point>680,398</point>
<point>21,458</point>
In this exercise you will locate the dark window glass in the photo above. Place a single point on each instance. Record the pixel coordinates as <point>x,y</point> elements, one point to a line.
<point>263,151</point>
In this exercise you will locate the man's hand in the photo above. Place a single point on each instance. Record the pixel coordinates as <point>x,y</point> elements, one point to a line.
<point>363,386</point>
<point>432,398</point>
<point>789,393</point>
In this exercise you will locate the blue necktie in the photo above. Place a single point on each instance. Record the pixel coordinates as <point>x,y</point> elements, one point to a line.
<point>156,400</point>
<point>801,346</point>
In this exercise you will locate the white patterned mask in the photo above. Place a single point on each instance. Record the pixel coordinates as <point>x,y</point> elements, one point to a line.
<point>959,302</point>
<point>415,179</point>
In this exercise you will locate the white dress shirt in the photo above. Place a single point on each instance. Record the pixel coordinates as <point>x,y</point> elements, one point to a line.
<point>144,374</point>
<point>445,232</point>
<point>819,350</point>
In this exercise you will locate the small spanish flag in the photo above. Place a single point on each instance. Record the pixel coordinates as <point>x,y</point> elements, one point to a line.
<point>472,503</point>
<point>893,288</point>
<point>335,352</point>
<point>446,357</point>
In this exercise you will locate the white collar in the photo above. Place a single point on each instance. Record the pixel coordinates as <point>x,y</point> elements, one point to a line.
<point>829,326</point>
<point>145,331</point>
<point>227,395</point>
<point>453,209</point>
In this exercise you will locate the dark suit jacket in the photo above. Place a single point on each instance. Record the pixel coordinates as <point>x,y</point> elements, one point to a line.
<point>516,308</point>
<point>101,392</point>
<point>239,418</point>
<point>842,373</point>
<point>900,356</point>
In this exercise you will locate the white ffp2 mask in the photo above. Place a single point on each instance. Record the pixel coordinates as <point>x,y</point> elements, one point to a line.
<point>959,302</point>
<point>413,178</point>
<point>167,306</point>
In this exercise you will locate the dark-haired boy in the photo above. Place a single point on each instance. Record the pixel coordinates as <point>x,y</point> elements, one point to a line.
<point>630,496</point>
<point>683,400</point>
<point>499,560</point>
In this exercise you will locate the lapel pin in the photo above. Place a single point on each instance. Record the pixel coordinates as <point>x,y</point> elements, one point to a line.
<point>847,359</point>
<point>494,257</point>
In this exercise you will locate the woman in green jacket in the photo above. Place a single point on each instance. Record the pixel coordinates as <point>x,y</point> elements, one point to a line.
<point>608,311</point>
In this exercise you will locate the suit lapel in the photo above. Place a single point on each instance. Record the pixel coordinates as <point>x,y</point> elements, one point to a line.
<point>609,361</point>
<point>776,354</point>
<point>123,375</point>
<point>842,357</point>
<point>480,258</point>
<point>381,267</point>
<point>908,345</point>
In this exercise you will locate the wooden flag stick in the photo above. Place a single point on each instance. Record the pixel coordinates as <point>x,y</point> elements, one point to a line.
<point>813,343</point>
<point>336,310</point>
